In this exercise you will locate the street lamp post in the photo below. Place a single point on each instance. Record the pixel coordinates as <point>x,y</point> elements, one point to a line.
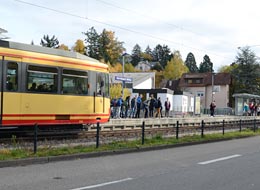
<point>123,72</point>
<point>212,84</point>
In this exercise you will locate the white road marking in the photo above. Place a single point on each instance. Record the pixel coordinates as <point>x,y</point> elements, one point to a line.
<point>219,159</point>
<point>103,184</point>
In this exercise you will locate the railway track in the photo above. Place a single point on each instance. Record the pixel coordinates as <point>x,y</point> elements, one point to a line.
<point>108,133</point>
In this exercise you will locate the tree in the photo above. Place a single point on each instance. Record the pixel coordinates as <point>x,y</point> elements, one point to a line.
<point>157,67</point>
<point>116,91</point>
<point>92,43</point>
<point>206,65</point>
<point>52,42</point>
<point>227,68</point>
<point>246,75</point>
<point>129,68</point>
<point>148,54</point>
<point>111,49</point>
<point>190,62</point>
<point>104,47</point>
<point>136,55</point>
<point>64,47</point>
<point>162,54</point>
<point>79,47</point>
<point>175,67</point>
<point>116,68</point>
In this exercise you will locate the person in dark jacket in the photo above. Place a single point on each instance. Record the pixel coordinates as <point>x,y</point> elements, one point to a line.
<point>167,105</point>
<point>133,107</point>
<point>212,108</point>
<point>127,106</point>
<point>158,108</point>
<point>151,106</point>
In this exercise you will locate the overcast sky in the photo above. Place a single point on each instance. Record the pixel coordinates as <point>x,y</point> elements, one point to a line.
<point>212,27</point>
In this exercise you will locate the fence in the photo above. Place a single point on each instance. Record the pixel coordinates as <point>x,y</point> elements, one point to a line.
<point>147,128</point>
<point>130,129</point>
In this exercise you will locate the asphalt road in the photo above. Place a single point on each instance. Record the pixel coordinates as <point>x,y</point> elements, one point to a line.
<point>226,165</point>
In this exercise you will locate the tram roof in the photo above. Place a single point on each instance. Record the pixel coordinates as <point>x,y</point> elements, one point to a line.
<point>45,50</point>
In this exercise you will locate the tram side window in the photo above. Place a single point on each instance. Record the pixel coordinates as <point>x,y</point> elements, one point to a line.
<point>100,83</point>
<point>107,85</point>
<point>11,76</point>
<point>42,79</point>
<point>74,82</point>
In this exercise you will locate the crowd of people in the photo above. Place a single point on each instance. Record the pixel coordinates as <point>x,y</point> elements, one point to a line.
<point>251,109</point>
<point>131,107</point>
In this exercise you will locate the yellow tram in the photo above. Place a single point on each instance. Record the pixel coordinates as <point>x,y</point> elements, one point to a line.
<point>48,86</point>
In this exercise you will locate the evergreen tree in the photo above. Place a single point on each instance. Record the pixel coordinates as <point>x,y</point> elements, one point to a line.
<point>104,47</point>
<point>190,62</point>
<point>147,55</point>
<point>246,74</point>
<point>157,67</point>
<point>167,56</point>
<point>206,65</point>
<point>162,54</point>
<point>136,55</point>
<point>92,43</point>
<point>52,42</point>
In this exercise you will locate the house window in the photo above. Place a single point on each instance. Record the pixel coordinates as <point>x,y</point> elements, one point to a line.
<point>200,94</point>
<point>198,81</point>
<point>188,81</point>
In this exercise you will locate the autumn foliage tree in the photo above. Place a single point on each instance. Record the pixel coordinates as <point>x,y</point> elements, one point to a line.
<point>79,47</point>
<point>175,67</point>
<point>115,68</point>
<point>63,47</point>
<point>104,46</point>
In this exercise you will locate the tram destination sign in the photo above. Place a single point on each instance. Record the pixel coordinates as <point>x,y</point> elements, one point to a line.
<point>123,79</point>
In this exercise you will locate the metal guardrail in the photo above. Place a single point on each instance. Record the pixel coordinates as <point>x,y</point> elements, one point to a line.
<point>127,129</point>
<point>129,123</point>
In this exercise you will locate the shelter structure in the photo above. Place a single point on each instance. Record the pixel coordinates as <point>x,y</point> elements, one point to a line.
<point>241,99</point>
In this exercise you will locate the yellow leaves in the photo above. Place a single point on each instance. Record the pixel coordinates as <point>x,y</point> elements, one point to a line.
<point>116,91</point>
<point>64,47</point>
<point>79,47</point>
<point>117,68</point>
<point>175,67</point>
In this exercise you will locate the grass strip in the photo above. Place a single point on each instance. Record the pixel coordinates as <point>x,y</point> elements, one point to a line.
<point>157,140</point>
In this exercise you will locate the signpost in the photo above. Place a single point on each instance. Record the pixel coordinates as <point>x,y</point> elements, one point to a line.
<point>124,79</point>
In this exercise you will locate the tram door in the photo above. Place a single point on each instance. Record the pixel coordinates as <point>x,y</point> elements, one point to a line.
<point>99,95</point>
<point>1,90</point>
<point>10,86</point>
